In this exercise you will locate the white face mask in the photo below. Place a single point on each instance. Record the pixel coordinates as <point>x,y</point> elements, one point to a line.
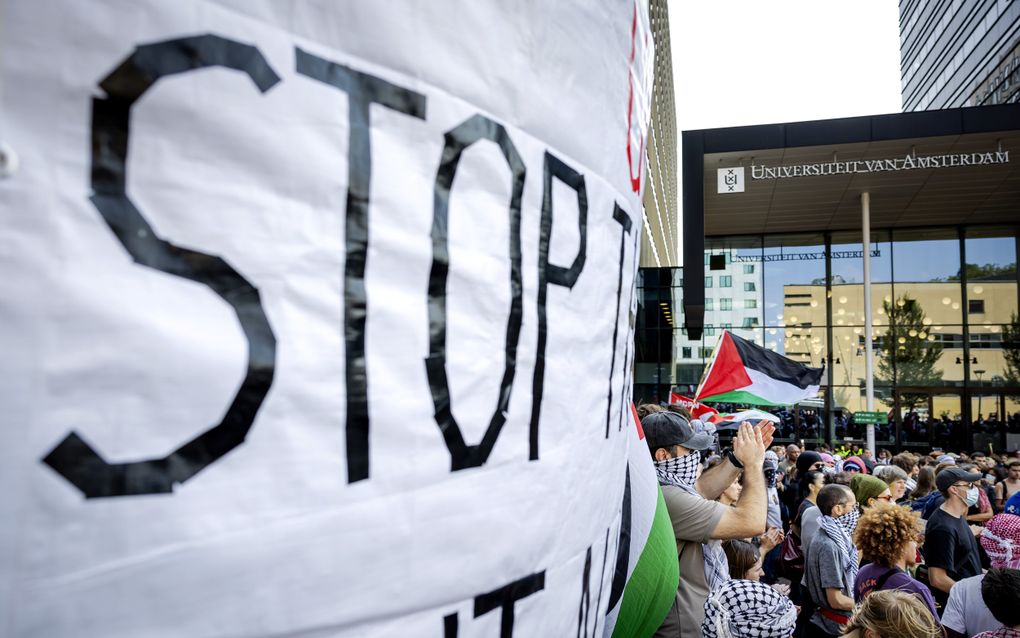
<point>972,497</point>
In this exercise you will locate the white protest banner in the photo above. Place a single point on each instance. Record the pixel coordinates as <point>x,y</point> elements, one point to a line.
<point>315,320</point>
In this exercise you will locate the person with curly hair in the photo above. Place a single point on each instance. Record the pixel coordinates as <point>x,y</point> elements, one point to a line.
<point>887,535</point>
<point>888,614</point>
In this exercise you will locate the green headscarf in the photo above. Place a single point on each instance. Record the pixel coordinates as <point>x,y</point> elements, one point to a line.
<point>866,487</point>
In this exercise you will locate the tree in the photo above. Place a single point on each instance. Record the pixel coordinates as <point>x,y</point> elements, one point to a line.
<point>1011,349</point>
<point>906,354</point>
<point>987,272</point>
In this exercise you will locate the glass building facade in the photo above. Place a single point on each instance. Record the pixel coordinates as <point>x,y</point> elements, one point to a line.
<point>946,332</point>
<point>956,53</point>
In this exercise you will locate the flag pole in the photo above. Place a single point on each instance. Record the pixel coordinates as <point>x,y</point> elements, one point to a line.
<point>708,368</point>
<point>869,382</point>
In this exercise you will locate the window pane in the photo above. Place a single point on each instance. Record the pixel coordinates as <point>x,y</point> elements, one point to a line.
<point>803,345</point>
<point>995,355</point>
<point>750,303</point>
<point>743,271</point>
<point>794,292</point>
<point>846,365</point>
<point>920,355</point>
<point>848,278</point>
<point>708,282</point>
<point>991,309</point>
<point>926,270</point>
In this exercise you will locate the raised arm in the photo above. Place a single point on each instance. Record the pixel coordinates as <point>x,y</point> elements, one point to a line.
<point>747,517</point>
<point>714,482</point>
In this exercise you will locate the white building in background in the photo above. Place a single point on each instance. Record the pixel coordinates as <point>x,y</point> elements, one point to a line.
<point>734,297</point>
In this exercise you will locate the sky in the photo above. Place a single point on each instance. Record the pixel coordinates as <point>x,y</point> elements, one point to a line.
<point>737,63</point>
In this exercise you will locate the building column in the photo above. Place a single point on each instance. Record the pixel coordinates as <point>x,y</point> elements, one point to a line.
<point>829,417</point>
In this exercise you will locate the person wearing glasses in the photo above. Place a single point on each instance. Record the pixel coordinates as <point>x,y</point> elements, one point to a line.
<point>895,478</point>
<point>870,490</point>
<point>950,544</point>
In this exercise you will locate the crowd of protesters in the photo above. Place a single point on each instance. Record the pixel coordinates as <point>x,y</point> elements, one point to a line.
<point>776,541</point>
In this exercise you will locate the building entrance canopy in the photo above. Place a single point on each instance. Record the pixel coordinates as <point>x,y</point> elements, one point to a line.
<point>883,248</point>
<point>937,168</point>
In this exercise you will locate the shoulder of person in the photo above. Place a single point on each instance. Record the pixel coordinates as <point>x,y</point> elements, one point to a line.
<point>821,541</point>
<point>677,498</point>
<point>968,583</point>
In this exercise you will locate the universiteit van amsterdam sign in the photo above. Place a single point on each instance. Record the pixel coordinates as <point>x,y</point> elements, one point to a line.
<point>905,163</point>
<point>731,180</point>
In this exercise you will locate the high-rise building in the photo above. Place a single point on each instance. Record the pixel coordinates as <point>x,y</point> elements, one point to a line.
<point>660,223</point>
<point>956,53</point>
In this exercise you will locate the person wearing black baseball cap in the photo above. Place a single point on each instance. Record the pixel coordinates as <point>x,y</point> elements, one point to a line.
<point>699,521</point>
<point>950,545</point>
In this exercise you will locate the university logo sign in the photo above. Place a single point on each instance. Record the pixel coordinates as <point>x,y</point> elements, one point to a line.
<point>730,180</point>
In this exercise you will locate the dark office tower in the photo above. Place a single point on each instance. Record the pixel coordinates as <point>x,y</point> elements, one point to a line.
<point>957,53</point>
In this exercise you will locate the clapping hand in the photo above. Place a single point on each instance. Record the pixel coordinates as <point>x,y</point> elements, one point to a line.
<point>749,444</point>
<point>767,428</point>
<point>771,539</point>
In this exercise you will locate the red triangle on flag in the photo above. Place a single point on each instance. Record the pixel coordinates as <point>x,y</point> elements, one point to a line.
<point>727,372</point>
<point>637,422</point>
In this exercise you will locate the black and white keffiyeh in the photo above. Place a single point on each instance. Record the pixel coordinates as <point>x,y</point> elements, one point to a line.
<point>748,609</point>
<point>849,520</point>
<point>835,529</point>
<point>682,472</point>
<point>770,467</point>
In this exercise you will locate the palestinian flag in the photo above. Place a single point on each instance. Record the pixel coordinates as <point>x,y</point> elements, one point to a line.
<point>742,372</point>
<point>647,573</point>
